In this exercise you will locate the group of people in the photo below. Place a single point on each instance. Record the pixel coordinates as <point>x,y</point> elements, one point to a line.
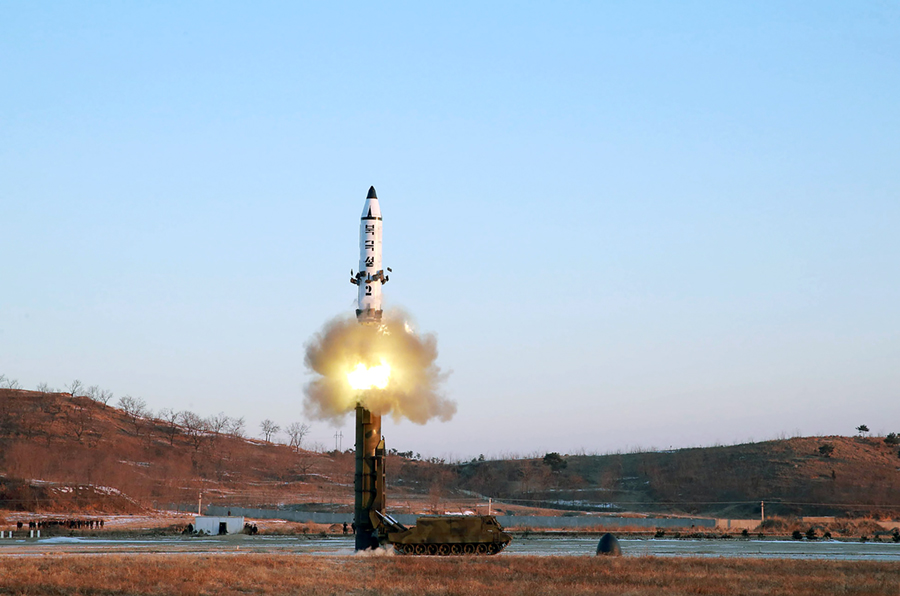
<point>71,524</point>
<point>248,529</point>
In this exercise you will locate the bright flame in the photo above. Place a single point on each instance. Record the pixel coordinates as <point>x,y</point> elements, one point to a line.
<point>376,377</point>
<point>349,367</point>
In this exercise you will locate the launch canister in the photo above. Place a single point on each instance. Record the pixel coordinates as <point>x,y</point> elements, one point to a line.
<point>371,276</point>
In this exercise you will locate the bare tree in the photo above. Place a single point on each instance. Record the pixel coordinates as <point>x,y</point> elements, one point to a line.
<point>105,396</point>
<point>268,428</point>
<point>46,403</point>
<point>196,428</point>
<point>80,416</point>
<point>170,417</point>
<point>237,427</point>
<point>76,388</point>
<point>99,395</point>
<point>7,383</point>
<point>532,477</point>
<point>135,409</point>
<point>303,464</point>
<point>296,431</point>
<point>219,423</point>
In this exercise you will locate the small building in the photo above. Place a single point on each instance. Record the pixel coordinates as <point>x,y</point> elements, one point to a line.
<point>217,525</point>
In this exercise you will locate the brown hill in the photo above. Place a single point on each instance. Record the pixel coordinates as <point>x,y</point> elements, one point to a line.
<point>50,439</point>
<point>58,438</point>
<point>59,452</point>
<point>850,476</point>
<point>37,495</point>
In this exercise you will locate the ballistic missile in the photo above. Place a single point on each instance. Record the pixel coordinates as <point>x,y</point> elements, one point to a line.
<point>371,276</point>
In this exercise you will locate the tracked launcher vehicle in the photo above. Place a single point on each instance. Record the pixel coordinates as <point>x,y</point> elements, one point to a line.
<point>432,534</point>
<point>445,535</point>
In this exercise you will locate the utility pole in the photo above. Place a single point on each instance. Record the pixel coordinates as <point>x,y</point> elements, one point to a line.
<point>339,436</point>
<point>762,511</point>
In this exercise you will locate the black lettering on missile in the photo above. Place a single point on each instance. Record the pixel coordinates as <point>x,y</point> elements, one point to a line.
<point>370,229</point>
<point>370,245</point>
<point>368,290</point>
<point>370,261</point>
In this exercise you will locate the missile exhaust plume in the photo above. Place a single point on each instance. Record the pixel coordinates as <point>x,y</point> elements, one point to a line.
<point>387,368</point>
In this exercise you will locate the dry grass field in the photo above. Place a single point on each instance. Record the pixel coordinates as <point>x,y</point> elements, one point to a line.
<point>497,576</point>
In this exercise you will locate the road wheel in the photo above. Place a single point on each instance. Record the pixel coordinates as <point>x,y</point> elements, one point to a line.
<point>432,549</point>
<point>444,550</point>
<point>481,549</point>
<point>455,549</point>
<point>419,549</point>
<point>469,549</point>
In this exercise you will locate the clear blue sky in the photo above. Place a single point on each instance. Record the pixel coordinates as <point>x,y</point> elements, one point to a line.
<point>629,223</point>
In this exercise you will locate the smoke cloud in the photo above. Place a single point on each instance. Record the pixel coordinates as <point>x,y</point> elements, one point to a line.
<point>413,390</point>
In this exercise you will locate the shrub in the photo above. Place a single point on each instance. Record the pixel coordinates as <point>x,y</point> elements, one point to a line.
<point>826,450</point>
<point>892,439</point>
<point>774,524</point>
<point>811,534</point>
<point>555,461</point>
<point>745,533</point>
<point>796,535</point>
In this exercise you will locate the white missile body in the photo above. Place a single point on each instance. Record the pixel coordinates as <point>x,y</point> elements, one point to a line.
<point>371,276</point>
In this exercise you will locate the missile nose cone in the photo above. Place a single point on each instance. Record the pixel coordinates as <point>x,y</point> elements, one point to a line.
<point>371,194</point>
